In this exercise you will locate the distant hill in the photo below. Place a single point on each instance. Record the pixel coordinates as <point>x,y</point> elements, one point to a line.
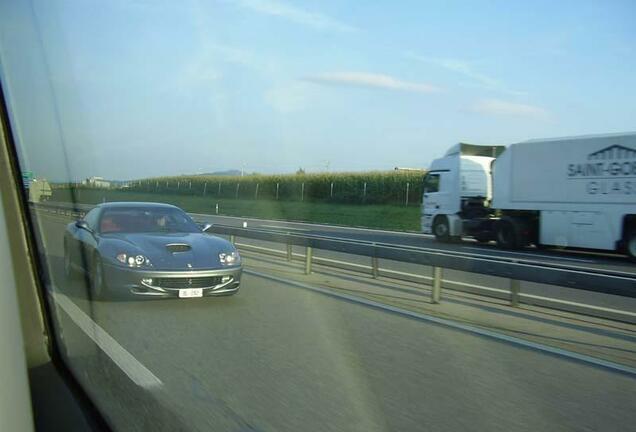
<point>231,172</point>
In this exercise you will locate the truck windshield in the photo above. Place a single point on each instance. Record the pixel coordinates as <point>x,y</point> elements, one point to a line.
<point>431,183</point>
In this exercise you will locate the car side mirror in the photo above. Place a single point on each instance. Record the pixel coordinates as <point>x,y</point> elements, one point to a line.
<point>205,226</point>
<point>82,224</point>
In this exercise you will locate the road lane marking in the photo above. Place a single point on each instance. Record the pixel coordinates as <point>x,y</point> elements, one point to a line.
<point>136,371</point>
<point>455,325</point>
<point>278,227</point>
<point>334,227</point>
<point>532,255</point>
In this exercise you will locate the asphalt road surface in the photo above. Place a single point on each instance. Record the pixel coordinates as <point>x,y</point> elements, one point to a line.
<point>276,357</point>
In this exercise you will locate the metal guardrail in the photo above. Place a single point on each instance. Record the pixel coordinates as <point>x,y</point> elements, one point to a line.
<point>63,208</point>
<point>610,282</point>
<point>606,282</point>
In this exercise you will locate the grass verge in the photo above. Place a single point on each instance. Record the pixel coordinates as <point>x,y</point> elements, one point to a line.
<point>388,217</point>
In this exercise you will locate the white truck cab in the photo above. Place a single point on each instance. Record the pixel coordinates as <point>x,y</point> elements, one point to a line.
<point>460,182</point>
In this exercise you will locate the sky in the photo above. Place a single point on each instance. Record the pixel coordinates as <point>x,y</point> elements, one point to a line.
<point>133,89</point>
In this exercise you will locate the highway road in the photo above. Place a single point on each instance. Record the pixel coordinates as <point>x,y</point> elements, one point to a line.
<point>277,357</point>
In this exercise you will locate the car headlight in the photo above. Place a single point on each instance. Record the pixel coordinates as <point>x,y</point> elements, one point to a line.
<point>230,258</point>
<point>133,260</point>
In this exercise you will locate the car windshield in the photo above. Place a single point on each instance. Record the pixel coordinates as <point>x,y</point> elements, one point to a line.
<point>145,220</point>
<point>420,215</point>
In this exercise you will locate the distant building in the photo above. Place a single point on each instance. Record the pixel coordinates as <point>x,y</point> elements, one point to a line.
<point>97,182</point>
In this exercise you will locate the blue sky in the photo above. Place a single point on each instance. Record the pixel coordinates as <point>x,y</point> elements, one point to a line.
<point>145,88</point>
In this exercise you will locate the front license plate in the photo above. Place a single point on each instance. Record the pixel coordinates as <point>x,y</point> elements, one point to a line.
<point>191,292</point>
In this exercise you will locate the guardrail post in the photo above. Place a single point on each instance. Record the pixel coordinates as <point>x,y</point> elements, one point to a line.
<point>436,290</point>
<point>515,287</point>
<point>375,271</point>
<point>375,267</point>
<point>308,253</point>
<point>232,239</point>
<point>289,251</point>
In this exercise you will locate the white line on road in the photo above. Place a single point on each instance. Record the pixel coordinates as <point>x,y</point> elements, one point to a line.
<point>278,227</point>
<point>532,255</point>
<point>136,371</point>
<point>334,227</point>
<point>453,324</point>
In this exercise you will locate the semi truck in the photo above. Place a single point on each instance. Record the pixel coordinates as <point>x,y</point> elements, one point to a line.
<point>573,192</point>
<point>39,190</point>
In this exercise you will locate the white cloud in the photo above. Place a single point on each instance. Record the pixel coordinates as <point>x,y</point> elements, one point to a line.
<point>466,69</point>
<point>504,108</point>
<point>371,80</point>
<point>300,16</point>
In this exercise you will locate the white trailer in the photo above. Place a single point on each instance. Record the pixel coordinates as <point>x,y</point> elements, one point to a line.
<point>575,192</point>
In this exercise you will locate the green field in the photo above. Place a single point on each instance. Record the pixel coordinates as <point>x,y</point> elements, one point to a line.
<point>372,187</point>
<point>392,217</point>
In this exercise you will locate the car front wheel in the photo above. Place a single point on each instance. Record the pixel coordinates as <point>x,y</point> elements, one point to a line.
<point>69,271</point>
<point>99,289</point>
<point>631,245</point>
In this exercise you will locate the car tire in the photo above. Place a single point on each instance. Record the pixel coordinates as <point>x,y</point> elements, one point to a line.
<point>441,229</point>
<point>98,287</point>
<point>630,245</point>
<point>69,271</point>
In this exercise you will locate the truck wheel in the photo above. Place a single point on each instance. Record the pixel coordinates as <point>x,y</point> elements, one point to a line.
<point>481,238</point>
<point>441,229</point>
<point>507,234</point>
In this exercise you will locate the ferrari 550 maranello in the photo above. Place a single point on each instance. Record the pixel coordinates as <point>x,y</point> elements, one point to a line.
<point>149,249</point>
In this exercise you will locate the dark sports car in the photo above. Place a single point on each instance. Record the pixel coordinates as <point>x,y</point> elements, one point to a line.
<point>149,249</point>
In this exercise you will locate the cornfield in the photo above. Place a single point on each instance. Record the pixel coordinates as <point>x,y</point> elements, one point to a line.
<point>394,187</point>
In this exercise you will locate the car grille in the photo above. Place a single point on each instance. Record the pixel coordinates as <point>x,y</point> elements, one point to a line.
<point>184,282</point>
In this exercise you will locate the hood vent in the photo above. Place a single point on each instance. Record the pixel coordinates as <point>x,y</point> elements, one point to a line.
<point>178,247</point>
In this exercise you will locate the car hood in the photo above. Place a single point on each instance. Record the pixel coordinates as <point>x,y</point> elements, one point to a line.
<point>171,251</point>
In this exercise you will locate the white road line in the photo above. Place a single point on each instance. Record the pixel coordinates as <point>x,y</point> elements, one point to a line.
<point>532,255</point>
<point>455,325</point>
<point>136,371</point>
<point>334,227</point>
<point>278,227</point>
